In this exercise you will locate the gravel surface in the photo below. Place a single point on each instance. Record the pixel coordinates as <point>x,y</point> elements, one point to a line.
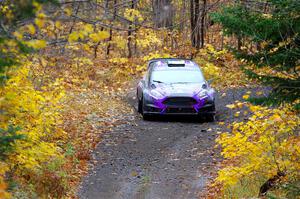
<point>166,158</point>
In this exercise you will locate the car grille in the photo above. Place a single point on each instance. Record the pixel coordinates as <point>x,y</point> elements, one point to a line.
<point>180,101</point>
<point>153,109</point>
<point>180,110</point>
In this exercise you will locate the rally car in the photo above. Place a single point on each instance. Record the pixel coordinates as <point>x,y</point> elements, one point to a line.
<point>175,87</point>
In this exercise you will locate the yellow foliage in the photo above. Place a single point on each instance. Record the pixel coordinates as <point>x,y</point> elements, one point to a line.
<point>68,11</point>
<point>57,24</point>
<point>210,71</point>
<point>231,106</point>
<point>119,60</point>
<point>37,44</point>
<point>133,14</point>
<point>217,53</point>
<point>39,22</point>
<point>147,38</point>
<point>83,62</point>
<point>74,36</point>
<point>88,28</point>
<point>18,35</point>
<point>98,36</point>
<point>246,97</point>
<point>6,11</point>
<point>41,15</point>
<point>264,145</point>
<point>156,55</point>
<point>221,66</point>
<point>37,6</point>
<point>31,29</point>
<point>37,113</point>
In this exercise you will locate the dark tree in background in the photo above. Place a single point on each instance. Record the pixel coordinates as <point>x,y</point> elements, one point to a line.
<point>198,14</point>
<point>130,32</point>
<point>163,13</point>
<point>275,29</point>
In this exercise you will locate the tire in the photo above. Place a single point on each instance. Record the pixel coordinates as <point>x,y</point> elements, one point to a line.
<point>210,118</point>
<point>146,117</point>
<point>140,106</point>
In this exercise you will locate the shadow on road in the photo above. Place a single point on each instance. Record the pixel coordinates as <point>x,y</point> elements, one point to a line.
<point>178,118</point>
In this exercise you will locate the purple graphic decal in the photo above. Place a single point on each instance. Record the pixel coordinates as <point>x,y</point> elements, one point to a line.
<point>200,102</point>
<point>159,104</point>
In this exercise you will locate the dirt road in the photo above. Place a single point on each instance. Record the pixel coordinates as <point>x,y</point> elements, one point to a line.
<point>163,159</point>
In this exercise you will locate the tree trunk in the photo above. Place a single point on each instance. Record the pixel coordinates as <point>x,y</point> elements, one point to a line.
<point>183,14</point>
<point>192,19</point>
<point>195,29</point>
<point>269,184</point>
<point>110,29</point>
<point>130,33</point>
<point>239,42</point>
<point>202,29</point>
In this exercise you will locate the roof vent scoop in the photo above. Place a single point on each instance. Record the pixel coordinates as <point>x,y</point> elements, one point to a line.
<point>177,63</point>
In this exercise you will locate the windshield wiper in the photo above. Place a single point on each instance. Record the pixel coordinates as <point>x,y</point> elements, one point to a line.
<point>181,82</point>
<point>157,81</point>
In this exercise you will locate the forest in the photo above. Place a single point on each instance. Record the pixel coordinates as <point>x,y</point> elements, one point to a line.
<point>67,66</point>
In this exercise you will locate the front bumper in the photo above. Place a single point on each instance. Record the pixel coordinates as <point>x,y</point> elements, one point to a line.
<point>203,107</point>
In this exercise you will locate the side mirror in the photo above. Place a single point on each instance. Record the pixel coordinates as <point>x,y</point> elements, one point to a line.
<point>143,82</point>
<point>210,80</point>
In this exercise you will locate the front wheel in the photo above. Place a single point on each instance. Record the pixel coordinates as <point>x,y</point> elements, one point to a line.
<point>147,117</point>
<point>210,118</point>
<point>141,110</point>
<point>140,106</point>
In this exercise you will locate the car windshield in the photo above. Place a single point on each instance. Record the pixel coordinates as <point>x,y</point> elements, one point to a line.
<point>177,76</point>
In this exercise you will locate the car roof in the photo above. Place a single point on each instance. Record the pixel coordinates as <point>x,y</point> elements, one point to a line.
<point>167,59</point>
<point>174,64</point>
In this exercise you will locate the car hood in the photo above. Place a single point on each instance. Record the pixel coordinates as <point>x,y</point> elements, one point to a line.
<point>179,89</point>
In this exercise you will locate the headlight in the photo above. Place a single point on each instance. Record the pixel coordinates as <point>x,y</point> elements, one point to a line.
<point>202,94</point>
<point>156,94</point>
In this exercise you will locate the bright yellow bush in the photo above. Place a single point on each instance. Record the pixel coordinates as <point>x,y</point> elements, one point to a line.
<point>210,71</point>
<point>156,55</point>
<point>148,39</point>
<point>264,145</point>
<point>221,66</point>
<point>37,113</point>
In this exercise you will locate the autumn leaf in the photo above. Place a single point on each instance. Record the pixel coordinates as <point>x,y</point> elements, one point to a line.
<point>98,36</point>
<point>68,11</point>
<point>31,29</point>
<point>231,106</point>
<point>39,22</point>
<point>37,44</point>
<point>18,35</point>
<point>246,97</point>
<point>88,28</point>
